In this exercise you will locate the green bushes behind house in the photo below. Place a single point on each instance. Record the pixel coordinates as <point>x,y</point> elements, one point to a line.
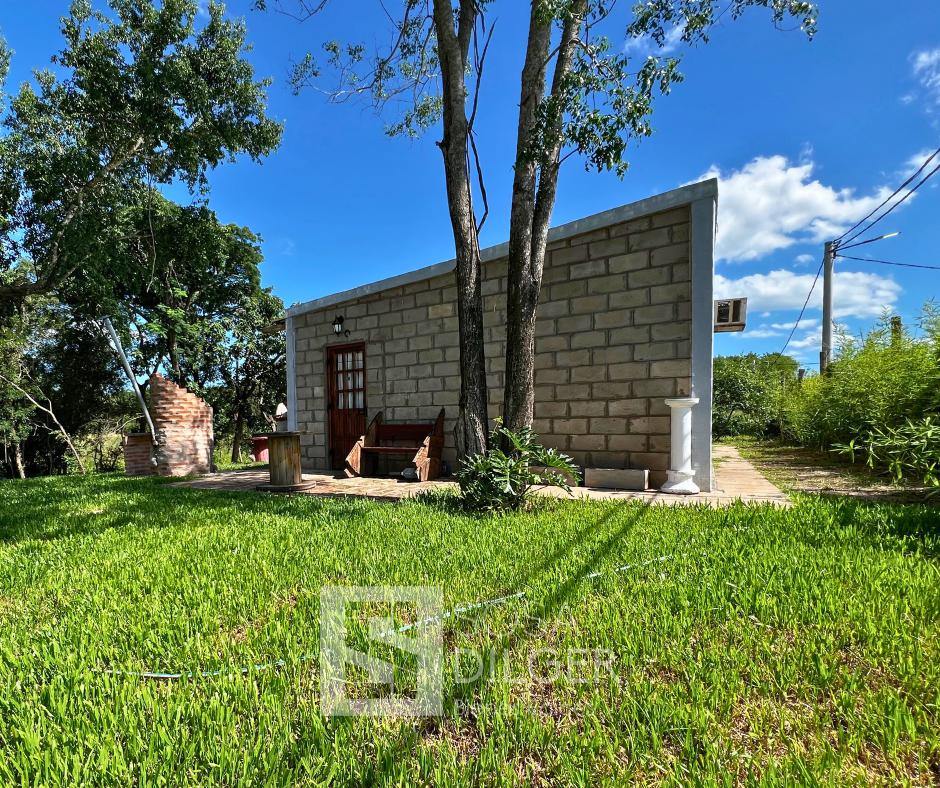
<point>879,381</point>
<point>747,393</point>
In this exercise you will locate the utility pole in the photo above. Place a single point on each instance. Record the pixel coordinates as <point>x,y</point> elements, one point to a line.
<point>825,356</point>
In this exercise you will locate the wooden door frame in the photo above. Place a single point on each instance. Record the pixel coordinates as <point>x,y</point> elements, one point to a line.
<point>327,351</point>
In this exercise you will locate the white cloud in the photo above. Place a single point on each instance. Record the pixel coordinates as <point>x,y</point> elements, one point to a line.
<point>804,259</point>
<point>914,163</point>
<point>806,323</point>
<point>772,203</point>
<point>645,45</point>
<point>856,294</point>
<point>926,67</point>
<point>808,340</point>
<point>812,340</point>
<point>758,333</point>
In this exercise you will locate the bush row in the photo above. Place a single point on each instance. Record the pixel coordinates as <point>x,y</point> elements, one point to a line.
<point>879,401</point>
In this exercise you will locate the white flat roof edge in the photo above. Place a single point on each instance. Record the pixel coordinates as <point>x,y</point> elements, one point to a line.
<point>684,195</point>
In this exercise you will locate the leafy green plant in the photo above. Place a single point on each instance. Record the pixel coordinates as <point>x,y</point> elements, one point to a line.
<point>502,478</point>
<point>877,381</point>
<point>911,451</point>
<point>747,392</point>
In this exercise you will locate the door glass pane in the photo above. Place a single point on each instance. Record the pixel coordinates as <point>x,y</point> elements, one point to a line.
<point>339,381</point>
<point>349,361</point>
<point>339,361</point>
<point>359,380</point>
<point>358,359</point>
<point>349,380</point>
<point>360,403</point>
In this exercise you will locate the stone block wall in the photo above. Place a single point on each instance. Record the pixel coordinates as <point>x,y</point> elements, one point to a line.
<point>613,340</point>
<point>184,434</point>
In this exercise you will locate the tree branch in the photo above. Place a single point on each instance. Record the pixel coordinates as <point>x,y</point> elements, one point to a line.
<point>47,410</point>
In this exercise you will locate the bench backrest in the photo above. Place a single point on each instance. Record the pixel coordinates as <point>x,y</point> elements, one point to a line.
<point>403,432</point>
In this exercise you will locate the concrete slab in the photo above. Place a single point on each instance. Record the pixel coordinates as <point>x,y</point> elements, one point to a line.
<point>617,478</point>
<point>735,480</point>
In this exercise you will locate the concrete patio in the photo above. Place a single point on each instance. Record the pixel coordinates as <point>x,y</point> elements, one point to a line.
<point>735,480</point>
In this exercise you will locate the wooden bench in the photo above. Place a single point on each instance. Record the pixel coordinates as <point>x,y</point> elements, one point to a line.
<point>423,443</point>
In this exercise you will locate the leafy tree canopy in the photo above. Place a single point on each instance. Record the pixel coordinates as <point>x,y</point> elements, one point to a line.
<point>139,97</point>
<point>595,106</point>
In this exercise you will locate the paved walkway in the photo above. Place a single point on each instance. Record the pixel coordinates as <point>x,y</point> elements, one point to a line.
<point>735,480</point>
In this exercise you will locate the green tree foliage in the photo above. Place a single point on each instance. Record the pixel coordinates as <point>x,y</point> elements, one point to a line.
<point>56,376</point>
<point>139,96</point>
<point>252,374</point>
<point>143,93</point>
<point>200,275</point>
<point>875,382</point>
<point>747,393</point>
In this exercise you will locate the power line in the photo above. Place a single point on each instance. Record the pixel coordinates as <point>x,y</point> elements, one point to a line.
<point>896,205</point>
<point>870,240</point>
<point>889,198</point>
<point>889,262</point>
<point>800,317</point>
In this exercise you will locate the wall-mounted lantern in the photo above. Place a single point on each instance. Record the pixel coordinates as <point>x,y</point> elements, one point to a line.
<point>338,326</point>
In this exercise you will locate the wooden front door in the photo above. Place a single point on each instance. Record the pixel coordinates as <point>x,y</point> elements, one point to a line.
<point>346,384</point>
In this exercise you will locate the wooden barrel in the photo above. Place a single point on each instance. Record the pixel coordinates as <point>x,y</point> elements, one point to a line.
<point>284,459</point>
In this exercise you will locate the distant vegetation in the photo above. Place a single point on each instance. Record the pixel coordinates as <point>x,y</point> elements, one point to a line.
<point>142,96</point>
<point>879,402</point>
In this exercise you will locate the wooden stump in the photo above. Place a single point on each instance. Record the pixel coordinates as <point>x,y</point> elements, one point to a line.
<point>284,463</point>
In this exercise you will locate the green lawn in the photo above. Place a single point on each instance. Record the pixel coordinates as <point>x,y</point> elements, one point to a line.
<point>766,645</point>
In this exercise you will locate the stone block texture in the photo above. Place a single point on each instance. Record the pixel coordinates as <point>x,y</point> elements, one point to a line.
<point>185,439</point>
<point>613,340</point>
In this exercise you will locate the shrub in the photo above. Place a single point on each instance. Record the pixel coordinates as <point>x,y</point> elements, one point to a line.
<point>909,451</point>
<point>502,478</point>
<point>747,391</point>
<point>876,382</point>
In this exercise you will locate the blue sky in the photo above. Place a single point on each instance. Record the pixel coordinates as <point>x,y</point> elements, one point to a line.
<point>805,137</point>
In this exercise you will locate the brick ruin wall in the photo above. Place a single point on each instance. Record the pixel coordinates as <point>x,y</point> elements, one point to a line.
<point>185,439</point>
<point>138,454</point>
<point>613,340</point>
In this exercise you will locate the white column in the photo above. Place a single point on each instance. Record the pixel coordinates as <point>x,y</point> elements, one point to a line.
<point>681,478</point>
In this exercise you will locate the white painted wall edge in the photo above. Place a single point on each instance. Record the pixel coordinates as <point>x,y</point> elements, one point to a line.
<point>702,252</point>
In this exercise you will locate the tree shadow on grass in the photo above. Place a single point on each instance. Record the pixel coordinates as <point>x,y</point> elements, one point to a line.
<point>49,510</point>
<point>411,736</point>
<point>897,526</point>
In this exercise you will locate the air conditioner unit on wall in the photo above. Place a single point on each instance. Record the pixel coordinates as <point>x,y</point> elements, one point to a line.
<point>730,314</point>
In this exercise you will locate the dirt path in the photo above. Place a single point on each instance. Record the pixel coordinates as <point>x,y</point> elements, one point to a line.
<point>803,470</point>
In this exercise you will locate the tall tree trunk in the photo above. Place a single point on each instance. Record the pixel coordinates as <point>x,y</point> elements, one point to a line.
<point>525,273</point>
<point>453,47</point>
<point>533,200</point>
<point>19,467</point>
<point>238,435</point>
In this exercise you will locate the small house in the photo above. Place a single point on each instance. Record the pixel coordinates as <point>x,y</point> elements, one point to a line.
<point>625,321</point>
